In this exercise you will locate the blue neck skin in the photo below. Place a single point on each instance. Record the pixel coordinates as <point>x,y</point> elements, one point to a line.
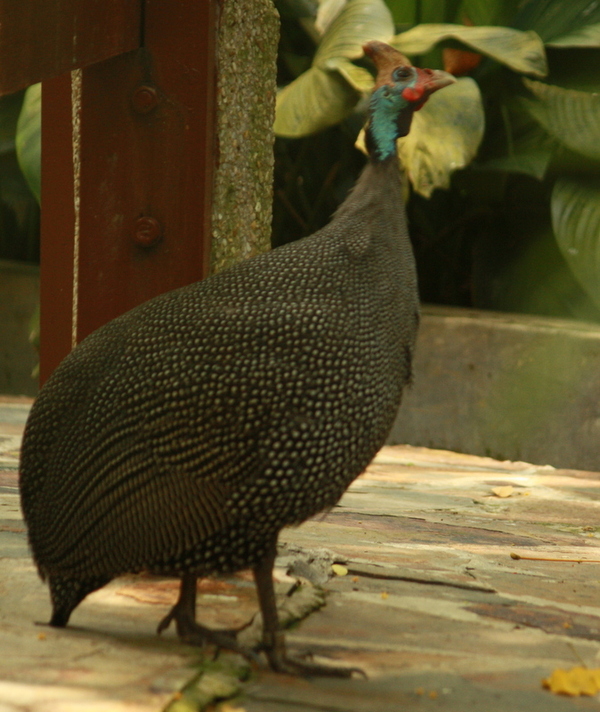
<point>390,117</point>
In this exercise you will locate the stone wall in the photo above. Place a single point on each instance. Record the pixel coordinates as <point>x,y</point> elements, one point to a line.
<point>509,386</point>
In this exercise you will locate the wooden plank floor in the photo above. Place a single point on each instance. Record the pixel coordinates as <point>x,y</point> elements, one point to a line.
<point>433,607</point>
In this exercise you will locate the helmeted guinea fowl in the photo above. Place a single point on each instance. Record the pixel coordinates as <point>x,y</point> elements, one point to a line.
<point>181,437</point>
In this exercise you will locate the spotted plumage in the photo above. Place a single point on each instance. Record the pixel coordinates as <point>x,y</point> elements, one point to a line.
<point>181,437</point>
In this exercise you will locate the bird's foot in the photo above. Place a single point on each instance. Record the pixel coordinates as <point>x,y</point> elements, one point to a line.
<point>192,633</point>
<point>306,668</point>
<point>279,661</point>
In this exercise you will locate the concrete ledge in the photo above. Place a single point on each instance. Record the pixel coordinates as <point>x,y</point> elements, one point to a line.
<point>505,385</point>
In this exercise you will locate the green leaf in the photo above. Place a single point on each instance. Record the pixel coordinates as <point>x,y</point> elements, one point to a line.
<point>433,11</point>
<point>296,8</point>
<point>404,12</point>
<point>10,108</point>
<point>520,144</point>
<point>531,158</point>
<point>327,12</point>
<point>312,102</point>
<point>326,93</point>
<point>486,12</point>
<point>29,138</point>
<point>572,117</point>
<point>359,22</point>
<point>444,136</point>
<point>358,78</point>
<point>588,36</point>
<point>576,221</point>
<point>521,51</point>
<point>555,19</point>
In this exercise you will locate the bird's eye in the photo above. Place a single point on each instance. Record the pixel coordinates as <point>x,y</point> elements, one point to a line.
<point>402,73</point>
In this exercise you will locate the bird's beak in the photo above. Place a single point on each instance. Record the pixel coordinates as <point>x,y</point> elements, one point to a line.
<point>433,79</point>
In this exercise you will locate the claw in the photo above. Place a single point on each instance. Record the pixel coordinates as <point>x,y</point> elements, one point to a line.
<point>295,666</point>
<point>273,641</point>
<point>191,632</point>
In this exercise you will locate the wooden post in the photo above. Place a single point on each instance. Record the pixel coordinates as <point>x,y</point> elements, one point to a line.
<point>126,187</point>
<point>127,154</point>
<point>41,39</point>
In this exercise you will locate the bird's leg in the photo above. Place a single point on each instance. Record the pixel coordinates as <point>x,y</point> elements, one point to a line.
<point>273,637</point>
<point>184,611</point>
<point>191,632</point>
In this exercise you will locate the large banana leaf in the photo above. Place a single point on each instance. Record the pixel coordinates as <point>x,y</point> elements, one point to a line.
<point>404,12</point>
<point>29,138</point>
<point>588,36</point>
<point>327,12</point>
<point>486,12</point>
<point>10,108</point>
<point>576,223</point>
<point>521,51</point>
<point>476,12</point>
<point>322,96</point>
<point>359,22</point>
<point>315,100</point>
<point>561,22</point>
<point>530,155</point>
<point>357,77</point>
<point>572,117</point>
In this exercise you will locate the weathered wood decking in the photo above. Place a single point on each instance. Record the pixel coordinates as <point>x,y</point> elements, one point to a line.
<point>433,607</point>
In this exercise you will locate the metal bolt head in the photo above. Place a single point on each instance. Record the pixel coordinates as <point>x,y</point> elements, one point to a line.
<point>148,231</point>
<point>144,99</point>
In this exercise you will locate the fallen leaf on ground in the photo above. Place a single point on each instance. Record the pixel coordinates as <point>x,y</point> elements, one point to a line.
<point>504,491</point>
<point>574,682</point>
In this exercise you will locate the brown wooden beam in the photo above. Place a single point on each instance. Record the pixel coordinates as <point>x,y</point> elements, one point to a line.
<point>57,225</point>
<point>41,39</point>
<point>145,146</point>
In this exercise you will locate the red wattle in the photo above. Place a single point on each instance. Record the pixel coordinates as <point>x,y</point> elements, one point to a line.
<point>413,93</point>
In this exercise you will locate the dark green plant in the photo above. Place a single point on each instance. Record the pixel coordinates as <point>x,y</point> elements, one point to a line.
<point>19,211</point>
<point>519,227</point>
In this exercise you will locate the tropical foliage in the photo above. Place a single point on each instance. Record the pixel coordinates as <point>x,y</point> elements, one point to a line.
<point>519,227</point>
<point>19,212</point>
<point>504,165</point>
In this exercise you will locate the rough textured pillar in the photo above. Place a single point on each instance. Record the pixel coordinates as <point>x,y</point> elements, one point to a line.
<point>247,52</point>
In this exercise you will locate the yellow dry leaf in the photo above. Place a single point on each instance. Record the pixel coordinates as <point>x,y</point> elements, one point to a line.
<point>504,491</point>
<point>384,595</point>
<point>574,682</point>
<point>339,570</point>
<point>41,636</point>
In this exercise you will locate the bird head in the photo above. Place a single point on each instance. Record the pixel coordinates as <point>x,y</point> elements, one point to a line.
<point>400,90</point>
